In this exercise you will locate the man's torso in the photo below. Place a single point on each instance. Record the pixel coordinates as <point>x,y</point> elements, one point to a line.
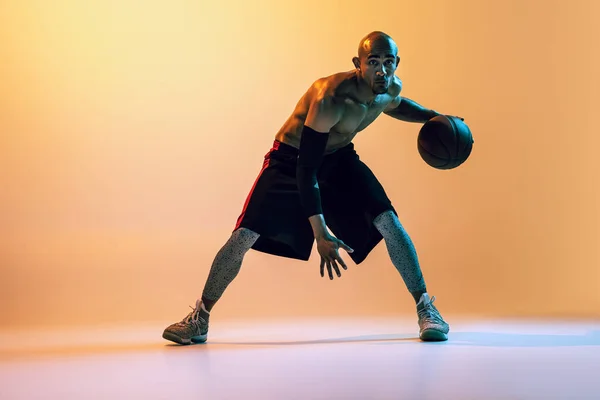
<point>355,115</point>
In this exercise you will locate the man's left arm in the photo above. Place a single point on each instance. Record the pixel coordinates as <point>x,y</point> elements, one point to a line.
<point>408,110</point>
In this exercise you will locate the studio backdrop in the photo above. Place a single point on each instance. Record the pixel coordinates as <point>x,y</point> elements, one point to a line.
<point>132,131</point>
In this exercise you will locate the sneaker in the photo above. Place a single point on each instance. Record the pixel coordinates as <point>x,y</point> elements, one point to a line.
<point>432,326</point>
<point>193,328</point>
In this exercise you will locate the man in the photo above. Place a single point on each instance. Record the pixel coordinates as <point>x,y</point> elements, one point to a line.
<point>312,180</point>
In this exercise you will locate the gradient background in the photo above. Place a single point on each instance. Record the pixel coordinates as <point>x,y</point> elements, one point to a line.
<point>132,131</point>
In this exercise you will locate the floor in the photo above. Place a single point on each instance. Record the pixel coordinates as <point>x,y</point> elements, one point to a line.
<point>307,359</point>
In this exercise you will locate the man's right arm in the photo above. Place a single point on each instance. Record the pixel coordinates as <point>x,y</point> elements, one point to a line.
<point>322,115</point>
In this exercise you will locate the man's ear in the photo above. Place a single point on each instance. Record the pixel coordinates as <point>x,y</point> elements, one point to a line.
<point>356,62</point>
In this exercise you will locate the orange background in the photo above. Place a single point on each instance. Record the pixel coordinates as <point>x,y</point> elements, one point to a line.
<point>131,132</point>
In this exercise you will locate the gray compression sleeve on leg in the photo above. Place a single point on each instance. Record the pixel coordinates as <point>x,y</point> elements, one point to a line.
<point>227,264</point>
<point>401,251</point>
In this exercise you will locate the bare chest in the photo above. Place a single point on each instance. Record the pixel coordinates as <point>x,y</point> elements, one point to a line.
<point>357,116</point>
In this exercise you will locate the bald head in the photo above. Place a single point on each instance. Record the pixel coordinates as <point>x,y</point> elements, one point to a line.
<point>376,42</point>
<point>377,61</point>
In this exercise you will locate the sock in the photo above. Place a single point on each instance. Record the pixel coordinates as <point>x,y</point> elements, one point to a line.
<point>417,295</point>
<point>208,303</point>
<point>204,313</point>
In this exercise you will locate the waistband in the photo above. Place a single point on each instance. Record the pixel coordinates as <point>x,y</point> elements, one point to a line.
<point>287,149</point>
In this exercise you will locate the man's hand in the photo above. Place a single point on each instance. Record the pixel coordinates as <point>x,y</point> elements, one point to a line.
<point>328,247</point>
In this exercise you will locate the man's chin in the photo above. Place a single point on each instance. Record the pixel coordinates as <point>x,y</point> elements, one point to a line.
<point>380,90</point>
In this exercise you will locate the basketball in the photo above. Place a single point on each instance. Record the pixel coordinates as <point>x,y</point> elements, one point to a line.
<point>445,142</point>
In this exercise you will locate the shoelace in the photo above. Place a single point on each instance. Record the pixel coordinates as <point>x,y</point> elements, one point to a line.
<point>192,318</point>
<point>430,313</point>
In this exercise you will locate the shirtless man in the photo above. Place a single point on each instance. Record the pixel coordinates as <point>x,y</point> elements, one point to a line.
<point>312,180</point>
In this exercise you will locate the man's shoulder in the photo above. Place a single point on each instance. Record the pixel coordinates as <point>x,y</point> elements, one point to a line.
<point>332,88</point>
<point>395,87</point>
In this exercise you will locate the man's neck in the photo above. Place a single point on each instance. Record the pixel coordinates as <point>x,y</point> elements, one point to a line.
<point>364,93</point>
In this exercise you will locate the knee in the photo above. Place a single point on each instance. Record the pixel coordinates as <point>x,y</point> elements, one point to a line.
<point>244,233</point>
<point>387,218</point>
<point>243,238</point>
<point>388,223</point>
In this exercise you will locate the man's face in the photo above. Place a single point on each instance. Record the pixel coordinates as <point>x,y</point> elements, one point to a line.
<point>378,63</point>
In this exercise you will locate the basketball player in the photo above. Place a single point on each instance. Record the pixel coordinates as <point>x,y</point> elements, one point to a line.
<point>312,180</point>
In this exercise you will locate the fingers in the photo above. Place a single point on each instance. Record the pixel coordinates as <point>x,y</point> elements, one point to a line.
<point>331,258</point>
<point>456,116</point>
<point>337,269</point>
<point>331,266</point>
<point>342,262</point>
<point>345,247</point>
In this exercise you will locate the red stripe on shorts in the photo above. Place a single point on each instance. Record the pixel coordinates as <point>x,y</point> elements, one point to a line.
<point>264,167</point>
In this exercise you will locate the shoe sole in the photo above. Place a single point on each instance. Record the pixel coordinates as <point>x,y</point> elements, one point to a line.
<point>431,335</point>
<point>179,340</point>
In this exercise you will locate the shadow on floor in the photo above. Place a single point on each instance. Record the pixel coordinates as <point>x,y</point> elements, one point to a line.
<point>486,339</point>
<point>491,339</point>
<point>483,339</point>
